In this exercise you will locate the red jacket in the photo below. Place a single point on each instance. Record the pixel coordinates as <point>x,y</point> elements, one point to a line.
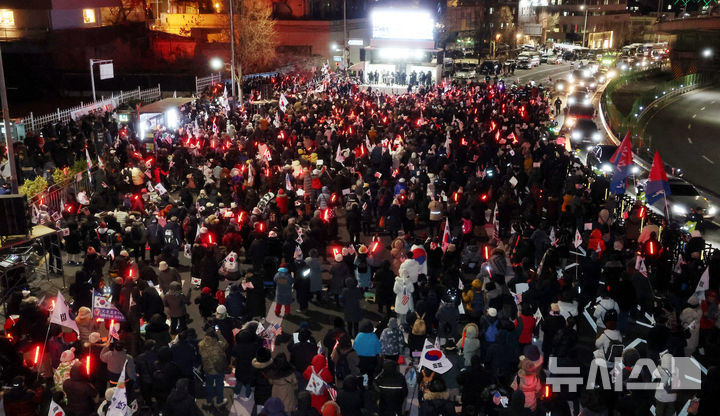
<point>527,329</point>
<point>282,203</point>
<point>319,364</point>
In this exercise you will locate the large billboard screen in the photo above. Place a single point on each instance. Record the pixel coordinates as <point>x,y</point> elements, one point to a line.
<point>402,24</point>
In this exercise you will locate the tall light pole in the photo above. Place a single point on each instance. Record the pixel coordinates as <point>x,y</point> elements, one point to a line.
<point>232,50</point>
<point>8,132</point>
<point>585,25</point>
<point>345,45</point>
<point>92,74</point>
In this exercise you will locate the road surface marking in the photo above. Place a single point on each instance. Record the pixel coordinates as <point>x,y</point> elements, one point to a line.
<point>706,158</point>
<point>702,109</point>
<point>690,140</point>
<point>689,125</point>
<point>694,115</point>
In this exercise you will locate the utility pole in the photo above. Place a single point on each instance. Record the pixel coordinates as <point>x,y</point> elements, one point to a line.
<point>585,25</point>
<point>8,132</point>
<point>345,45</point>
<point>232,51</point>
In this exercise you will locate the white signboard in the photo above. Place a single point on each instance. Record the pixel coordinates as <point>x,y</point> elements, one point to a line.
<point>402,24</point>
<point>106,71</point>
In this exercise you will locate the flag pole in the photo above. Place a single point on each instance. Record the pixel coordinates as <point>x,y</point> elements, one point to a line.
<point>42,356</point>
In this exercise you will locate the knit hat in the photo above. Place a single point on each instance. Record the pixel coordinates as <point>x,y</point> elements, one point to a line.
<point>163,266</point>
<point>94,338</point>
<point>220,311</point>
<point>492,312</point>
<point>84,314</point>
<point>109,394</point>
<point>91,250</point>
<point>203,230</point>
<point>124,253</point>
<point>274,407</point>
<point>206,291</point>
<point>362,249</point>
<point>531,352</point>
<point>554,307</point>
<point>67,355</point>
<point>338,257</point>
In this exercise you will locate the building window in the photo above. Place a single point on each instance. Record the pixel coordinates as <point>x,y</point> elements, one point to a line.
<point>88,15</point>
<point>7,17</point>
<point>491,10</point>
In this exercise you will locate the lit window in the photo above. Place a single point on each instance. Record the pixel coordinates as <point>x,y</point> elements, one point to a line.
<point>88,15</point>
<point>7,18</point>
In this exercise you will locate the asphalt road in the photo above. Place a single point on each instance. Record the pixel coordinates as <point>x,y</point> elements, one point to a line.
<point>541,73</point>
<point>685,133</point>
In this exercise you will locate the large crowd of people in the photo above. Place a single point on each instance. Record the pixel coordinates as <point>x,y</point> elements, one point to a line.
<point>448,215</point>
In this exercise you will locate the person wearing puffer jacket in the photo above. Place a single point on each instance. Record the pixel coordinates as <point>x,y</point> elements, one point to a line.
<point>392,341</point>
<point>319,367</point>
<point>62,372</point>
<point>214,360</point>
<point>283,289</point>
<point>665,400</point>
<point>437,400</point>
<point>79,391</point>
<point>690,320</point>
<point>469,342</point>
<point>527,379</point>
<point>409,268</point>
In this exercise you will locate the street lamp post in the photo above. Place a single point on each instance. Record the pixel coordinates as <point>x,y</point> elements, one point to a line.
<point>92,75</point>
<point>585,25</point>
<point>232,51</point>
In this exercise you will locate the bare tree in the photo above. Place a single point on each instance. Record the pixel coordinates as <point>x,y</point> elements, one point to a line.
<point>128,11</point>
<point>255,37</point>
<point>548,22</point>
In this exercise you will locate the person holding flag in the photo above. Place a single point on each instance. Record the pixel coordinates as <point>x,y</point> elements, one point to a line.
<point>622,159</point>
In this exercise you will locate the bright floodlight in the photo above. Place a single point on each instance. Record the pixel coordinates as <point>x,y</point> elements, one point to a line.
<point>707,52</point>
<point>216,64</point>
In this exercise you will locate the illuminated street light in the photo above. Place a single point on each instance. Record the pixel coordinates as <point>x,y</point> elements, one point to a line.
<point>216,64</point>
<point>707,53</point>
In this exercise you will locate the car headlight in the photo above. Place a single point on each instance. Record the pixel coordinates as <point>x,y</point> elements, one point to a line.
<point>582,83</point>
<point>597,136</point>
<point>634,170</point>
<point>571,78</point>
<point>576,135</point>
<point>611,74</point>
<point>586,74</point>
<point>606,167</point>
<point>712,210</point>
<point>571,101</point>
<point>593,85</point>
<point>679,209</point>
<point>586,102</point>
<point>570,121</point>
<point>560,87</point>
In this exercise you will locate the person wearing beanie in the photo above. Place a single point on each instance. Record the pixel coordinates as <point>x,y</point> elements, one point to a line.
<point>283,289</point>
<point>474,300</point>
<point>392,340</point>
<point>207,303</point>
<point>85,322</point>
<point>166,276</point>
<point>262,365</point>
<point>339,273</point>
<point>330,408</point>
<point>690,322</point>
<point>527,379</point>
<point>62,372</point>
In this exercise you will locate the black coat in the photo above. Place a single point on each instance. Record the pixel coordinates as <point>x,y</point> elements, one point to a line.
<point>180,402</point>
<point>351,397</point>
<point>80,392</point>
<point>246,346</point>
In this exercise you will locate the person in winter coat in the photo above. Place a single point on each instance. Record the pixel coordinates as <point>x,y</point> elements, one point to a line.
<point>319,367</point>
<point>409,268</point>
<point>606,303</point>
<point>403,290</point>
<point>551,325</point>
<point>469,342</point>
<point>345,360</point>
<point>150,302</point>
<point>664,399</point>
<point>304,407</point>
<point>85,322</point>
<point>176,301</point>
<point>363,273</point>
<point>165,375</point>
<point>158,330</point>
<point>392,341</point>
<point>368,348</point>
<point>62,372</point>
<point>690,321</point>
<point>447,318</point>
<point>527,379</point>
<point>235,302</point>
<point>528,324</point>
<point>391,388</point>
<point>262,365</point>
<point>21,401</point>
<point>180,401</point>
<point>255,296</point>
<point>247,344</point>
<point>474,300</point>
<point>79,392</point>
<point>384,280</point>
<point>283,289</point>
<point>436,400</point>
<point>207,302</point>
<point>351,397</point>
<point>214,361</point>
<point>350,299</point>
<point>284,382</point>
<point>167,275</point>
<point>303,351</point>
<point>314,264</point>
<point>339,273</point>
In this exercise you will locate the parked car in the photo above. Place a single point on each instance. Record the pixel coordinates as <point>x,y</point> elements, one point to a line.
<point>684,199</point>
<point>598,158</point>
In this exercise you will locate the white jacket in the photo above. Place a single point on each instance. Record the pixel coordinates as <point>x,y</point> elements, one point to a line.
<point>660,374</point>
<point>602,308</point>
<point>403,287</point>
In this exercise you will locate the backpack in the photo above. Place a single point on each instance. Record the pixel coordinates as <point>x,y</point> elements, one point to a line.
<point>362,266</point>
<point>614,349</point>
<point>342,367</point>
<point>419,327</point>
<point>491,331</point>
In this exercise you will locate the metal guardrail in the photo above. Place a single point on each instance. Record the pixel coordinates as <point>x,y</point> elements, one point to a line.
<point>54,194</point>
<point>204,82</point>
<point>33,123</point>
